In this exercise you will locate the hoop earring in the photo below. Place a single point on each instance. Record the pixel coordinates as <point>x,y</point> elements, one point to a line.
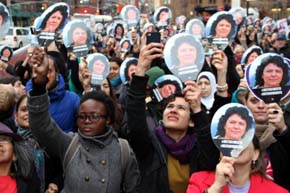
<point>253,164</point>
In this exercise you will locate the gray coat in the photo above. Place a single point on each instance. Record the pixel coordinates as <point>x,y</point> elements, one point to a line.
<point>96,166</point>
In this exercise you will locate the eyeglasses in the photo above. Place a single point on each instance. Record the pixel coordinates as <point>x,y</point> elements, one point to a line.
<point>5,139</point>
<point>92,117</point>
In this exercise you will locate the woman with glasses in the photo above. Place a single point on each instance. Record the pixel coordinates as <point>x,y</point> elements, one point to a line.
<point>93,157</point>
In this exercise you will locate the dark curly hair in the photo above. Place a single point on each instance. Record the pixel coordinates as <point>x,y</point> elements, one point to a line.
<point>115,29</point>
<point>81,25</point>
<point>174,82</point>
<point>103,58</point>
<point>257,50</point>
<point>165,9</point>
<point>64,12</point>
<point>100,96</point>
<point>278,61</point>
<point>129,63</point>
<point>241,111</point>
<point>181,40</point>
<point>229,18</point>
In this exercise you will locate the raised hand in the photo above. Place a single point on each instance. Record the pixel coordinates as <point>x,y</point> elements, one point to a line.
<point>192,94</point>
<point>39,65</point>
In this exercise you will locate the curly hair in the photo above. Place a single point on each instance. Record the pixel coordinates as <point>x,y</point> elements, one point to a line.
<point>278,61</point>
<point>129,63</point>
<point>64,12</point>
<point>100,96</point>
<point>181,40</point>
<point>173,82</point>
<point>165,9</point>
<point>257,50</point>
<point>241,111</point>
<point>116,27</point>
<point>82,26</point>
<point>229,18</point>
<point>103,60</point>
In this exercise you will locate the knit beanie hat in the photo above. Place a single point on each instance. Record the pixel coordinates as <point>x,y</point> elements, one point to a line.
<point>154,73</point>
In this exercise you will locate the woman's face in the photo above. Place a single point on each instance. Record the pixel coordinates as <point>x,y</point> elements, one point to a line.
<point>176,115</point>
<point>131,14</point>
<point>258,108</point>
<point>21,116</point>
<point>223,29</point>
<point>163,16</point>
<point>119,30</point>
<point>252,57</point>
<point>105,87</point>
<point>79,36</point>
<point>167,90</point>
<point>186,54</point>
<point>125,45</point>
<point>205,87</point>
<point>272,75</point>
<point>54,21</point>
<point>6,53</point>
<point>235,127</point>
<point>99,67</point>
<point>114,70</point>
<point>196,29</point>
<point>131,70</point>
<point>89,124</point>
<point>6,150</point>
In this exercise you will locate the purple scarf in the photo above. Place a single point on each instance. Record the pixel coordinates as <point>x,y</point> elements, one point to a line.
<point>179,150</point>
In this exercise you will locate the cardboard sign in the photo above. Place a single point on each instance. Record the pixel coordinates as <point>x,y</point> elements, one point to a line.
<point>268,77</point>
<point>165,86</point>
<point>196,28</point>
<point>215,26</point>
<point>6,53</point>
<point>184,56</point>
<point>232,129</point>
<point>131,15</point>
<point>99,66</point>
<point>51,22</point>
<point>77,37</point>
<point>162,17</point>
<point>5,20</point>
<point>127,68</point>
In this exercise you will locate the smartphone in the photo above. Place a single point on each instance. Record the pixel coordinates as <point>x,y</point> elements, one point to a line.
<point>153,37</point>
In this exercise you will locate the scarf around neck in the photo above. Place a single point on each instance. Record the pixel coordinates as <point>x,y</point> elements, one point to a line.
<point>180,150</point>
<point>265,135</point>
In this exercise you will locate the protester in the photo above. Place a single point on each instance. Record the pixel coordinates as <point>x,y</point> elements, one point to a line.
<point>245,173</point>
<point>180,145</point>
<point>97,154</point>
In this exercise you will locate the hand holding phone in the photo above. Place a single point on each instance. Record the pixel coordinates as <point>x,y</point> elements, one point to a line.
<point>153,37</point>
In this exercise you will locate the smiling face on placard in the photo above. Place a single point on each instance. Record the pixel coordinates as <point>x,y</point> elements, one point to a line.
<point>232,129</point>
<point>184,56</point>
<point>99,66</point>
<point>268,77</point>
<point>221,25</point>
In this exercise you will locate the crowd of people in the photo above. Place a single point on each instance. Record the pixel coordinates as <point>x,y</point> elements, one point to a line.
<point>102,111</point>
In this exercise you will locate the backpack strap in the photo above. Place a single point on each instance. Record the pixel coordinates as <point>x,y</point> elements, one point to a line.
<point>125,153</point>
<point>71,151</point>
